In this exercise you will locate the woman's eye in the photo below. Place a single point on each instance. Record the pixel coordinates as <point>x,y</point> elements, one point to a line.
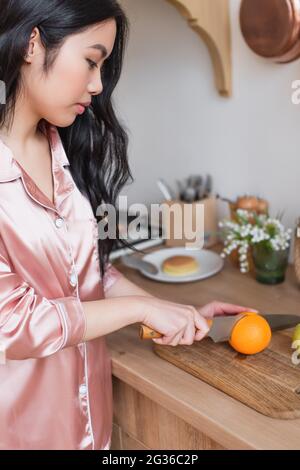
<point>92,64</point>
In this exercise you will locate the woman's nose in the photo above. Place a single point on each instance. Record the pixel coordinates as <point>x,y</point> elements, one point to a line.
<point>96,87</point>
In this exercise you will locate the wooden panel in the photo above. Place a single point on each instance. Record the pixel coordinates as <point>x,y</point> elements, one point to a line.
<point>129,443</point>
<point>123,441</point>
<point>116,439</point>
<point>145,424</point>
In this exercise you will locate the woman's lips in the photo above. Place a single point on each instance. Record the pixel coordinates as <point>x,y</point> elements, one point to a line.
<point>80,108</point>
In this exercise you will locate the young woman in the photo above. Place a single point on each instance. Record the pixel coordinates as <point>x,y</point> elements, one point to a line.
<point>62,153</point>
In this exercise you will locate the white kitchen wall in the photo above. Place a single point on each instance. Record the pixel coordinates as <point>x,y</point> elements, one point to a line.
<point>178,124</point>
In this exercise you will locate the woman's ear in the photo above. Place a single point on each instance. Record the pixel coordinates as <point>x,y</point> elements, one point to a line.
<point>33,46</point>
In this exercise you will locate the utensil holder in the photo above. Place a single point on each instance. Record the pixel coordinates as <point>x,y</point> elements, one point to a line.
<point>171,225</point>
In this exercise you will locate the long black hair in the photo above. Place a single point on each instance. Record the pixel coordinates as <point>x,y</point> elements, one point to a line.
<point>96,143</point>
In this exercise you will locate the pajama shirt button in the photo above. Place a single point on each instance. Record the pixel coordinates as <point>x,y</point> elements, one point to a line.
<point>59,223</point>
<point>73,279</point>
<point>83,390</point>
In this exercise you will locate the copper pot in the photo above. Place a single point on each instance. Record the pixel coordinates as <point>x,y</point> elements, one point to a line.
<point>271,28</point>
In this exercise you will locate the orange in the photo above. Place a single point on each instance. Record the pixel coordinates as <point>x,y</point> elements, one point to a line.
<point>251,334</point>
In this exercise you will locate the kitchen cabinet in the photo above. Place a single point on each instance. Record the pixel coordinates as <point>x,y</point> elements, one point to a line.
<point>159,406</point>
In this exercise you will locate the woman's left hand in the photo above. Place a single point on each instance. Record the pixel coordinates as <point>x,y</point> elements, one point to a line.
<point>220,308</point>
<point>216,308</point>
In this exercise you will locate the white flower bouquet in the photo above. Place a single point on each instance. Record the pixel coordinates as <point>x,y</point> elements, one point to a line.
<point>251,229</point>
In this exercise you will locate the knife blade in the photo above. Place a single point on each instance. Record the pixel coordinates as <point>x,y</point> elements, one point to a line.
<point>221,326</point>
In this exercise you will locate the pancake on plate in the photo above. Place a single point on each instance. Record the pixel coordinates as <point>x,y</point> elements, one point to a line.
<point>180,265</point>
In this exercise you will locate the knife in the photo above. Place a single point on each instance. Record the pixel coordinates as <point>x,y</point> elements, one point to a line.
<point>165,189</point>
<point>221,326</point>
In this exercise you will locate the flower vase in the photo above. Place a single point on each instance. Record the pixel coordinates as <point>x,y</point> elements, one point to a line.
<point>270,265</point>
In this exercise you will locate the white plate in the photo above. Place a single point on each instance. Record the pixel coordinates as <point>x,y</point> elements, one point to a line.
<point>210,263</point>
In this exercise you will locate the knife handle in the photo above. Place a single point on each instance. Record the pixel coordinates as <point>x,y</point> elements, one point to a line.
<point>149,333</point>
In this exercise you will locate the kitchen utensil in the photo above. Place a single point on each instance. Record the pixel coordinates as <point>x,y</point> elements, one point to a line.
<point>189,194</point>
<point>221,326</point>
<point>188,190</point>
<point>201,192</point>
<point>139,264</point>
<point>194,188</point>
<point>199,187</point>
<point>165,189</point>
<point>271,28</point>
<point>181,188</point>
<point>194,180</point>
<point>208,186</point>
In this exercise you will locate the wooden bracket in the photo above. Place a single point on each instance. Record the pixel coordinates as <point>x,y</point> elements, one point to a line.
<point>210,19</point>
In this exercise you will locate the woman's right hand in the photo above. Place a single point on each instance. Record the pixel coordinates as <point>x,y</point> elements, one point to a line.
<point>178,323</point>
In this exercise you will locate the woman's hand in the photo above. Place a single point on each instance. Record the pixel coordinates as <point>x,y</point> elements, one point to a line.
<point>182,324</point>
<point>219,308</point>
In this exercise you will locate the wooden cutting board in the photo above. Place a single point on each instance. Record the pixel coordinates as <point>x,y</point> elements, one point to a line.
<point>267,382</point>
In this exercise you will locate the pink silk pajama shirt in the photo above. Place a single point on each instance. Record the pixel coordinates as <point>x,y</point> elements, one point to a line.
<point>55,389</point>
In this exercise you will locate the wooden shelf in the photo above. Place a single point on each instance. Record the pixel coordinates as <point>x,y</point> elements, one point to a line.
<point>210,19</point>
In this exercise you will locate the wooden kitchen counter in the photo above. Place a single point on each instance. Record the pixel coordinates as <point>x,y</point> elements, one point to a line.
<point>159,406</point>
